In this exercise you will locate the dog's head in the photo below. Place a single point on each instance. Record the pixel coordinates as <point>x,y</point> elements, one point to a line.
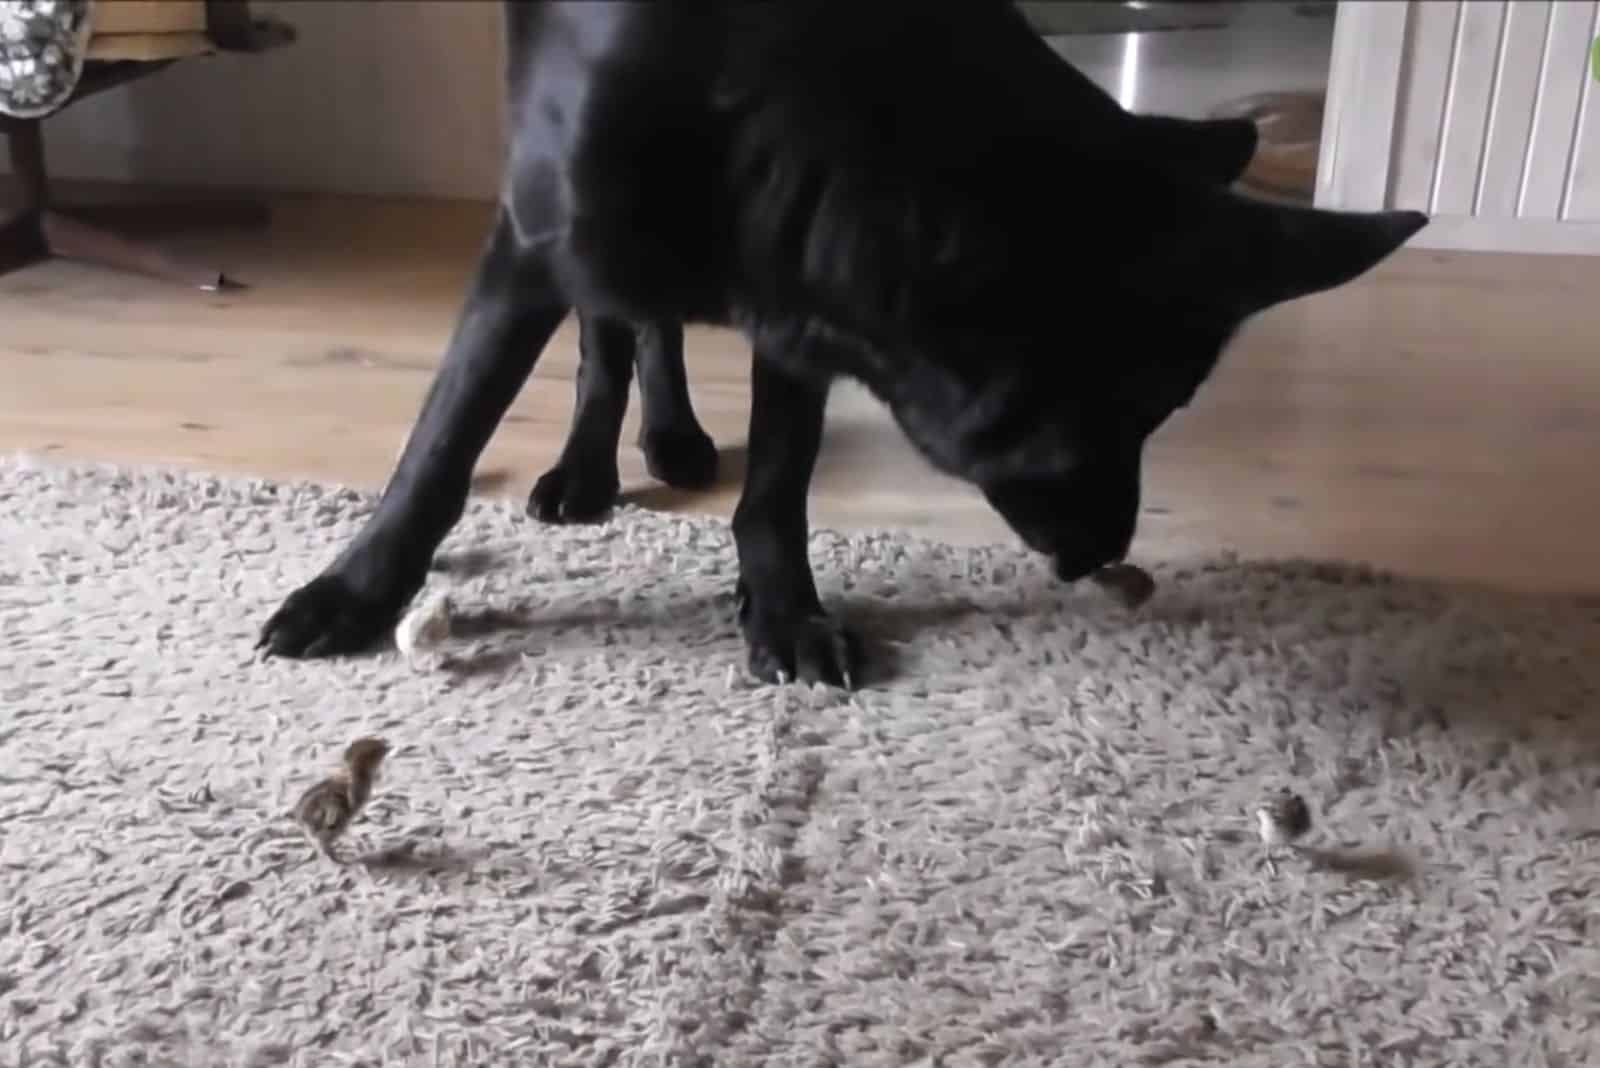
<point>1049,414</point>
<point>1032,279</point>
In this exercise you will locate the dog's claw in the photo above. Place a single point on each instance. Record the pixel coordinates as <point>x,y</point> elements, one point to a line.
<point>326,617</point>
<point>574,493</point>
<point>813,649</point>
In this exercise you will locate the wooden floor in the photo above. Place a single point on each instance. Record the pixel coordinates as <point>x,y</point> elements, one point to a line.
<point>1441,417</point>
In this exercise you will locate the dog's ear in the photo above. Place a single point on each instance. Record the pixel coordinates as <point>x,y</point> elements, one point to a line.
<point>1244,256</point>
<point>1312,250</point>
<point>1212,150</point>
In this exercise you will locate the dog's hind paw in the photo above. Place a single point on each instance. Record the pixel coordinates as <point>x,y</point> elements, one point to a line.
<point>683,459</point>
<point>812,649</point>
<point>327,617</point>
<point>573,493</point>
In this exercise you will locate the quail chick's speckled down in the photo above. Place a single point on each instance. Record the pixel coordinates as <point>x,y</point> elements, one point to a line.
<point>327,809</point>
<point>1129,583</point>
<point>1283,818</point>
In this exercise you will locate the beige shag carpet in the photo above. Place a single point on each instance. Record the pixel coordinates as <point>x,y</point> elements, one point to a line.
<point>601,844</point>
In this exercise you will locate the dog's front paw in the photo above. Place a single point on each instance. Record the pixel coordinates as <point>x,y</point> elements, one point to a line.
<point>574,493</point>
<point>329,617</point>
<point>683,459</point>
<point>814,648</point>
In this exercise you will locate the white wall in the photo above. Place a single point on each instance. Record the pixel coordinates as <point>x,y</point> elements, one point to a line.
<point>396,97</point>
<point>1502,123</point>
<point>1482,113</point>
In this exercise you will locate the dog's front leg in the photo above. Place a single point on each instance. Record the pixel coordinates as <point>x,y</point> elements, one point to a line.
<point>513,307</point>
<point>785,628</point>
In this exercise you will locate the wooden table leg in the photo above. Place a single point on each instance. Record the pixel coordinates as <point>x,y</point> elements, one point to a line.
<point>107,235</point>
<point>70,239</point>
<point>22,242</point>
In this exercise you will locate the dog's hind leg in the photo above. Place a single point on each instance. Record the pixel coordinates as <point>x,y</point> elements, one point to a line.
<point>786,631</point>
<point>512,308</point>
<point>677,450</point>
<point>583,485</point>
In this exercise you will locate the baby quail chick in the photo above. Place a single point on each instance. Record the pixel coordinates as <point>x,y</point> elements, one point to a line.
<point>425,627</point>
<point>1129,583</point>
<point>1282,818</point>
<point>329,807</point>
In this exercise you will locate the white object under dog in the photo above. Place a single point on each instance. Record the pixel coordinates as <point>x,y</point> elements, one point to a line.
<point>425,627</point>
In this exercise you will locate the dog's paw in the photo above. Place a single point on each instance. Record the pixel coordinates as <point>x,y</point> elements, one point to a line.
<point>815,648</point>
<point>328,617</point>
<point>683,459</point>
<point>574,493</point>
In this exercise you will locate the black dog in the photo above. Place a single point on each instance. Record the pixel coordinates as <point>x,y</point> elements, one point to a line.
<point>584,484</point>
<point>922,196</point>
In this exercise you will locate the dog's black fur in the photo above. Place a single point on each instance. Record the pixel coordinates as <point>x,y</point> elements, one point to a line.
<point>921,196</point>
<point>584,484</point>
